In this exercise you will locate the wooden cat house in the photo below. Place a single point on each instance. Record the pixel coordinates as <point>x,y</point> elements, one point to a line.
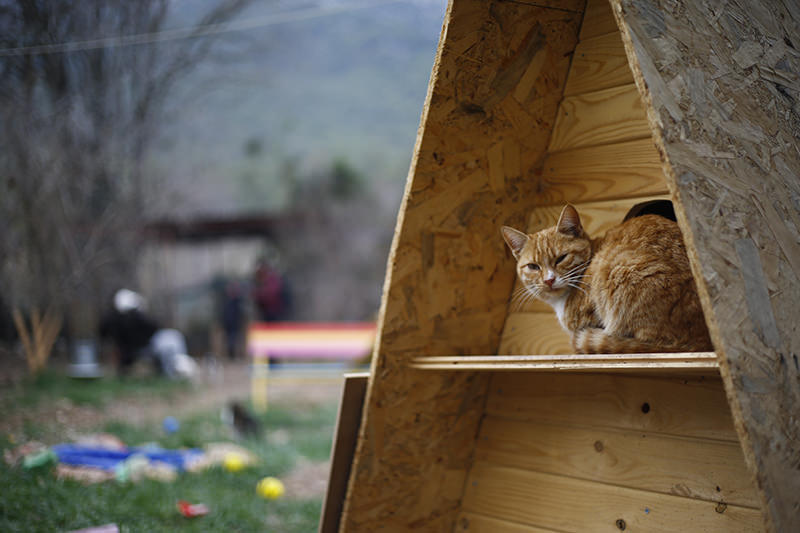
<point>477,418</point>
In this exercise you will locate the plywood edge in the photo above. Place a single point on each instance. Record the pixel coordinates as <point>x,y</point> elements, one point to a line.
<point>348,421</point>
<point>703,362</point>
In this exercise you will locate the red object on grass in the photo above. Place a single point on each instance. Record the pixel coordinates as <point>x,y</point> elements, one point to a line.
<point>191,510</point>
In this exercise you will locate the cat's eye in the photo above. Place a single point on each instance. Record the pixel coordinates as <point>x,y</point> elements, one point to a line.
<point>532,266</point>
<point>561,258</point>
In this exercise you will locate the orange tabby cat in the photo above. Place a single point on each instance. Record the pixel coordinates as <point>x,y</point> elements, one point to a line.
<point>630,291</point>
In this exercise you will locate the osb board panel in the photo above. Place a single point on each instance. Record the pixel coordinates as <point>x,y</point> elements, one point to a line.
<point>600,117</point>
<point>610,171</point>
<point>475,523</point>
<point>696,468</point>
<point>598,63</point>
<point>598,20</point>
<point>690,407</point>
<point>497,81</point>
<point>722,92</point>
<point>575,505</point>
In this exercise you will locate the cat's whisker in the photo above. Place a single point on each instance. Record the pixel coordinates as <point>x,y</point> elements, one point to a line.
<point>576,268</point>
<point>522,296</point>
<point>519,293</point>
<point>531,294</point>
<point>573,279</point>
<point>577,287</point>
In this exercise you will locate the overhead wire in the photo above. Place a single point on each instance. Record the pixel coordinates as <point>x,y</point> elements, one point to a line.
<point>192,32</point>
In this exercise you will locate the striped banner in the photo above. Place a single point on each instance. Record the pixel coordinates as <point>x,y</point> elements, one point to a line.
<point>310,340</point>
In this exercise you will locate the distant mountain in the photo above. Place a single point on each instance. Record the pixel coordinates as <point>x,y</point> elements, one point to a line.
<point>341,81</point>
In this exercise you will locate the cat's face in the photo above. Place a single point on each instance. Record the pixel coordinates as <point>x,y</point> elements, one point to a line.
<point>551,262</point>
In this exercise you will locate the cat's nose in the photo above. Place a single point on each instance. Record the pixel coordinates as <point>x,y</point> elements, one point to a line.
<point>549,282</point>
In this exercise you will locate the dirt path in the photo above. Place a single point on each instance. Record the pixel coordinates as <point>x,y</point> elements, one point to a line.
<point>64,419</point>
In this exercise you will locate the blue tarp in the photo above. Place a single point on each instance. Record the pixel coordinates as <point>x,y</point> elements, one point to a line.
<point>106,459</point>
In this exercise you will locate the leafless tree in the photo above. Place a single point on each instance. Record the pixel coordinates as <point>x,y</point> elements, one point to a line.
<point>81,103</point>
<point>335,253</point>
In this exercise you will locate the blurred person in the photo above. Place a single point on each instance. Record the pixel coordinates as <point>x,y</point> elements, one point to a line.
<point>232,317</point>
<point>128,328</point>
<point>269,292</point>
<point>135,334</point>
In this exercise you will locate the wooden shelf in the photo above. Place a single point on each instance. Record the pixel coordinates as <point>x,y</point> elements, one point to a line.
<point>702,362</point>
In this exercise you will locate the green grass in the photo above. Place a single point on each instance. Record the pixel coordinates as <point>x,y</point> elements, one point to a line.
<point>37,501</point>
<point>51,385</point>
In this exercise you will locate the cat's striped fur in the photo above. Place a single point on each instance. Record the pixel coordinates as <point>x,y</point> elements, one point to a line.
<point>630,291</point>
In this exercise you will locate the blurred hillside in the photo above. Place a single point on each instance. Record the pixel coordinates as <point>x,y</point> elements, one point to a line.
<point>121,117</point>
<point>346,83</point>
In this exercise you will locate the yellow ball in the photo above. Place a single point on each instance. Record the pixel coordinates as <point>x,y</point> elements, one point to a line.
<point>233,462</point>
<point>270,488</point>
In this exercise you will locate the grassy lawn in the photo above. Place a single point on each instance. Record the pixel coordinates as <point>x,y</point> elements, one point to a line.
<point>51,385</point>
<point>37,501</point>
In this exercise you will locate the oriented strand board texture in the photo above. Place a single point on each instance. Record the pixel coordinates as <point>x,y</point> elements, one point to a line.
<point>492,103</point>
<point>721,84</point>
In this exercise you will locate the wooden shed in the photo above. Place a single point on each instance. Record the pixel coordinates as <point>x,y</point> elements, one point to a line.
<point>476,417</point>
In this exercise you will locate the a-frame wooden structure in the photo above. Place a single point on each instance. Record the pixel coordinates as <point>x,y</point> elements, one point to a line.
<point>533,103</point>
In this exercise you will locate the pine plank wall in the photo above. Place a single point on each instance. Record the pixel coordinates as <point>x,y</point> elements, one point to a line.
<point>582,452</point>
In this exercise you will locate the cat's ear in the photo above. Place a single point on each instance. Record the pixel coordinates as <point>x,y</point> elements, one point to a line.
<point>569,223</point>
<point>515,239</point>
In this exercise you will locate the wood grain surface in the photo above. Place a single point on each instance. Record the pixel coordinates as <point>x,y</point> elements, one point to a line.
<point>575,505</point>
<point>534,333</point>
<point>599,63</point>
<point>606,116</point>
<point>690,407</point>
<point>662,364</point>
<point>696,468</point>
<point>597,20</point>
<point>611,171</point>
<point>475,523</point>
